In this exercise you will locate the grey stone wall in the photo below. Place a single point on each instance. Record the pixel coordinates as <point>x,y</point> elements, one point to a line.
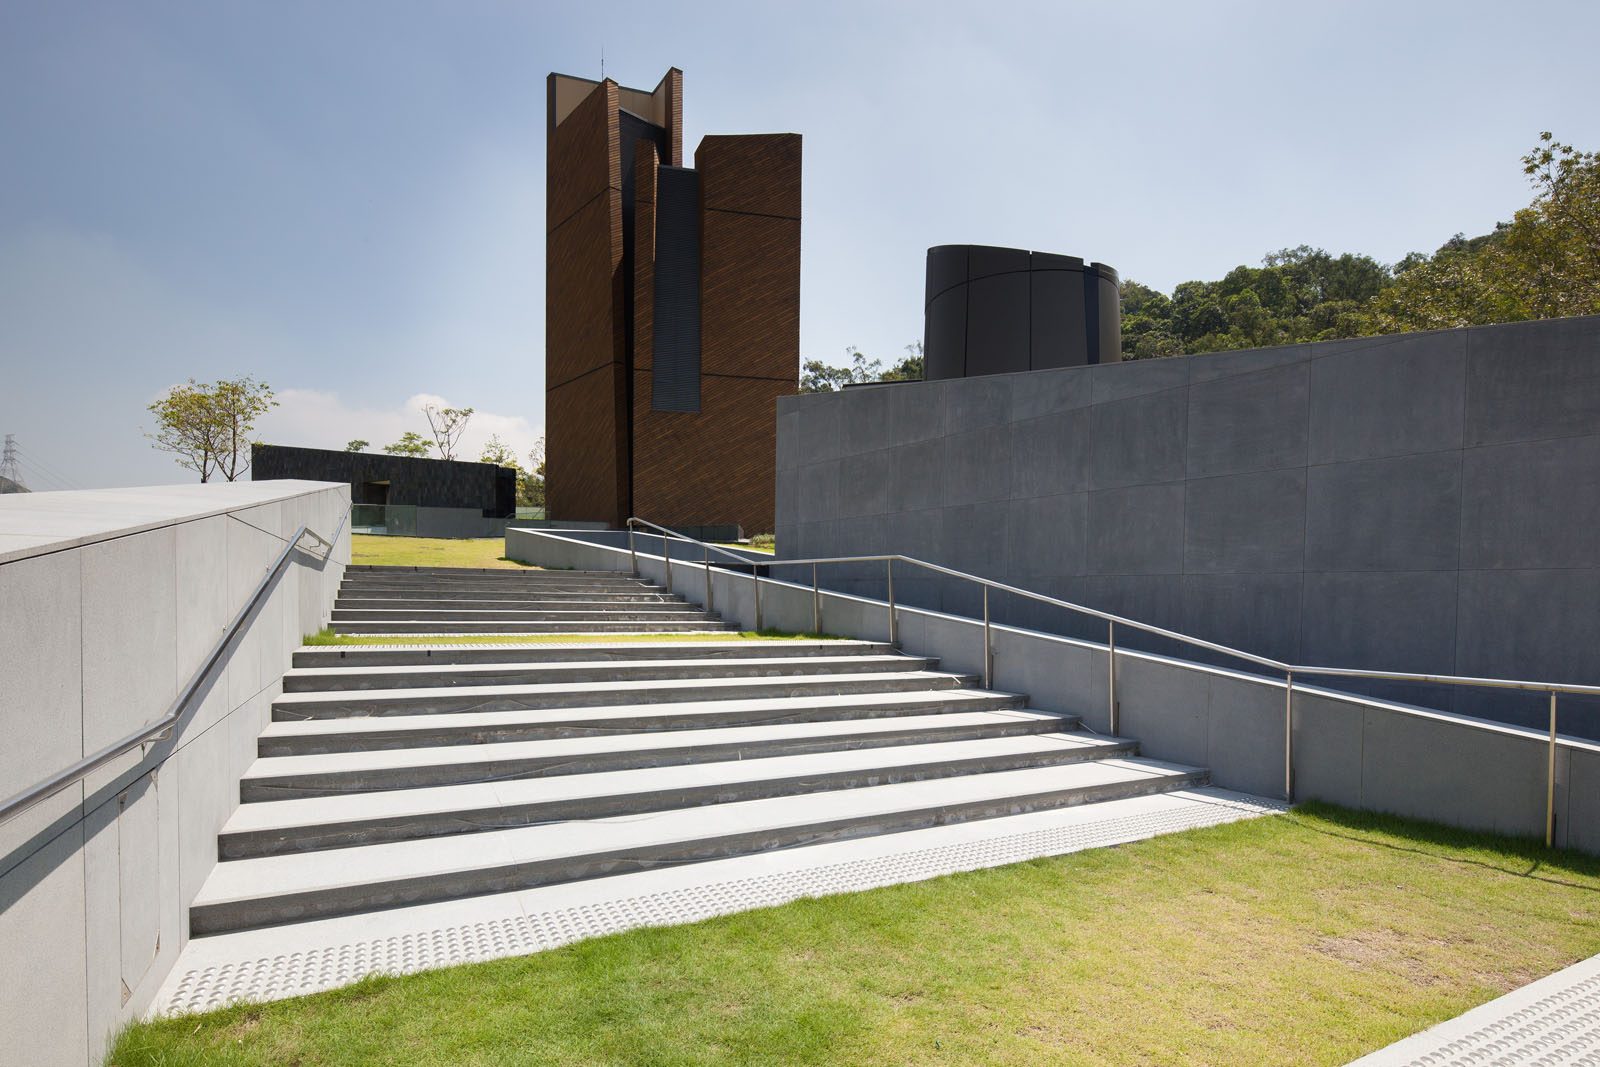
<point>1422,502</point>
<point>109,602</point>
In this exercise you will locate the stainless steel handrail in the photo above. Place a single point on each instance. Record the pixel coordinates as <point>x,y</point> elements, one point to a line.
<point>161,729</point>
<point>1113,621</point>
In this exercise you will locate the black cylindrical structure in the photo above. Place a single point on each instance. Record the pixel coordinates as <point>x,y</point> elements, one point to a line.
<point>995,310</point>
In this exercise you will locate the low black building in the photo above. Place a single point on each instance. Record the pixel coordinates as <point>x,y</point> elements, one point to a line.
<point>384,480</point>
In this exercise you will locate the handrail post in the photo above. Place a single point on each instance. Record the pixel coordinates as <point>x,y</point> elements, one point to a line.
<point>988,644</point>
<point>894,624</point>
<point>666,557</point>
<point>633,557</point>
<point>710,602</point>
<point>755,580</point>
<point>1111,677</point>
<point>1288,736</point>
<point>816,603</point>
<point>1550,782</point>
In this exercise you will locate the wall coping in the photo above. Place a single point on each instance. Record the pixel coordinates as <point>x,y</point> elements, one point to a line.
<point>37,524</point>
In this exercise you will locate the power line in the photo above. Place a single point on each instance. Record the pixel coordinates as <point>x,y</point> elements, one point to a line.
<point>40,467</point>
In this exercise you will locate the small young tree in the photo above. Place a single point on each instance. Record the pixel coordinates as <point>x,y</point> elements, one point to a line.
<point>530,482</point>
<point>356,445</point>
<point>447,425</point>
<point>411,443</point>
<point>496,452</point>
<point>207,427</point>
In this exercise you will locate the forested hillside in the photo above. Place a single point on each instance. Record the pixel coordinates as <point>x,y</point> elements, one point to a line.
<point>1544,263</point>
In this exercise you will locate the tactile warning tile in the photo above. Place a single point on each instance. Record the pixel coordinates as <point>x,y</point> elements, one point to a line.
<point>308,971</point>
<point>1554,1022</point>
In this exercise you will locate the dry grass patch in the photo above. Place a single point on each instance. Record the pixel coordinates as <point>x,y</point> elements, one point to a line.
<point>382,551</point>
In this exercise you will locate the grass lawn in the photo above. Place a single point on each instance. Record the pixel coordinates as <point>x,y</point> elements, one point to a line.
<point>326,636</point>
<point>1309,938</point>
<point>378,550</point>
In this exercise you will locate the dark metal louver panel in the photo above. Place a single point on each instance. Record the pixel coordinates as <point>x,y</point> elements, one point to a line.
<point>675,381</point>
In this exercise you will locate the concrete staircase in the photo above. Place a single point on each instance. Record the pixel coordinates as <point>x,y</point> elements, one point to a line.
<point>454,600</point>
<point>404,775</point>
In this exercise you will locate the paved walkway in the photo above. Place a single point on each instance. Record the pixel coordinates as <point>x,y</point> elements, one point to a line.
<point>1554,1022</point>
<point>287,961</point>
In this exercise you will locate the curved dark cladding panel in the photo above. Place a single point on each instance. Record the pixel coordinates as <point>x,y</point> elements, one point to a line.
<point>991,310</point>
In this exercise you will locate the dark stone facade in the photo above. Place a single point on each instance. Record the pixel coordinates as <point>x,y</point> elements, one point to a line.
<point>376,478</point>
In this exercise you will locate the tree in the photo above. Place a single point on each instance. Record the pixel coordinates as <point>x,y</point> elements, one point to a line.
<point>447,425</point>
<point>530,482</point>
<point>207,427</point>
<point>496,452</point>
<point>820,377</point>
<point>356,445</point>
<point>411,443</point>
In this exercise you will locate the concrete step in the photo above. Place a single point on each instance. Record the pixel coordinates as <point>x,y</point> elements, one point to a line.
<point>247,893</point>
<point>489,573</point>
<point>622,652</point>
<point>291,777</point>
<point>475,728</point>
<point>667,611</point>
<point>353,678</point>
<point>595,694</point>
<point>594,624</point>
<point>442,586</point>
<point>386,597</point>
<point>276,827</point>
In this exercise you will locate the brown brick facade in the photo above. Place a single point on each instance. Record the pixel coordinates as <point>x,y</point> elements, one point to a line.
<point>609,457</point>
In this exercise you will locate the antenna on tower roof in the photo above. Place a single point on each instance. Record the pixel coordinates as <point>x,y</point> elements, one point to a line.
<point>602,62</point>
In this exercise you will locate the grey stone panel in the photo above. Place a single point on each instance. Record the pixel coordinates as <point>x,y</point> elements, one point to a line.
<point>1049,618</point>
<point>131,677</point>
<point>1167,707</point>
<point>1049,392</point>
<point>1534,504</point>
<point>1532,380</point>
<point>864,482</point>
<point>1214,366</point>
<point>1246,522</point>
<point>1431,769</point>
<point>1394,620</point>
<point>785,537</point>
<point>1387,396</point>
<point>1055,675</point>
<point>1538,625</point>
<point>998,324</point>
<point>1140,440</point>
<point>864,418</point>
<point>1154,599</point>
<point>1583,804</point>
<point>1051,454</point>
<point>1248,422</point>
<point>42,929</point>
<point>916,475</point>
<point>977,465</point>
<point>864,535</point>
<point>1120,381</point>
<point>976,403</point>
<point>139,880</point>
<point>40,626</point>
<point>945,356</point>
<point>918,534</point>
<point>1137,530</point>
<point>819,429</point>
<point>1257,613</point>
<point>916,411</point>
<point>1327,749</point>
<point>788,455</point>
<point>819,491</point>
<point>1048,537</point>
<point>1398,514</point>
<point>1244,747</point>
<point>786,499</point>
<point>974,539</point>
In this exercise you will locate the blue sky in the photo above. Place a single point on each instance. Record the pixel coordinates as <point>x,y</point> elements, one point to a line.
<point>346,199</point>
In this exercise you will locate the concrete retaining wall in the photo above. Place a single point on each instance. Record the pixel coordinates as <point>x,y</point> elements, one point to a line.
<point>109,601</point>
<point>1422,502</point>
<point>1349,749</point>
